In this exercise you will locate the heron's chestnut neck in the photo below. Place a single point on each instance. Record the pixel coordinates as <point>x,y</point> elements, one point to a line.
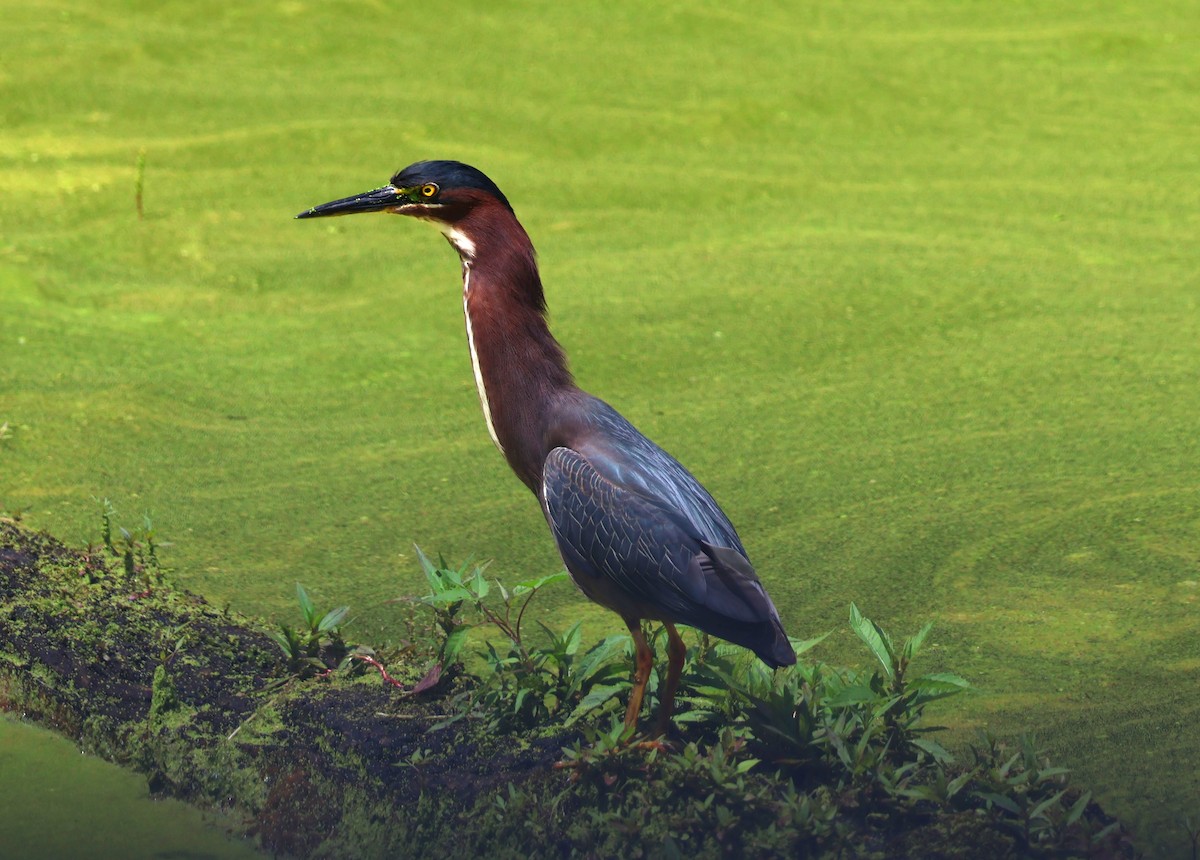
<point>520,369</point>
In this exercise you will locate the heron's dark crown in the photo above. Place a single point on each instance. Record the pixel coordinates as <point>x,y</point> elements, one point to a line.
<point>448,175</point>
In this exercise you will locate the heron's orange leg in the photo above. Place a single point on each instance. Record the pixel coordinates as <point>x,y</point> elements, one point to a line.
<point>676,651</point>
<point>645,662</point>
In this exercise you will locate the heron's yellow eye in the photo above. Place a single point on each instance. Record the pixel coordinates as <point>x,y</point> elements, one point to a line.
<point>429,190</point>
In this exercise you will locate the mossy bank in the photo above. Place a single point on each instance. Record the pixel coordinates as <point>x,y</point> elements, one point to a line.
<point>343,766</point>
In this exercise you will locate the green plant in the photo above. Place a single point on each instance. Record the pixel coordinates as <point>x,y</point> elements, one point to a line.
<point>1033,802</point>
<point>708,798</point>
<point>810,745</point>
<point>137,548</point>
<point>894,697</point>
<point>525,686</point>
<point>597,746</point>
<point>814,719</point>
<point>307,646</point>
<point>522,684</point>
<point>892,701</point>
<point>450,591</point>
<point>720,680</point>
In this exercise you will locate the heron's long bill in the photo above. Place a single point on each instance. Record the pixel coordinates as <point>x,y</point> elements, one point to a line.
<point>378,200</point>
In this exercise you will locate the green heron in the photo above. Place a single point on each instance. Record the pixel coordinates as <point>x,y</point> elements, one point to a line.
<point>637,532</point>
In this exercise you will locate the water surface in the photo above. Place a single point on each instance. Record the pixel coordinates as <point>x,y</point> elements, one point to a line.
<point>56,802</point>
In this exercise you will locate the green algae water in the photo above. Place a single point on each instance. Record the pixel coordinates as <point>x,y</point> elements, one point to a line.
<point>56,803</point>
<point>911,287</point>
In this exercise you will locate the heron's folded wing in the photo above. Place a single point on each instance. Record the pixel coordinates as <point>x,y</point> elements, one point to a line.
<point>652,553</point>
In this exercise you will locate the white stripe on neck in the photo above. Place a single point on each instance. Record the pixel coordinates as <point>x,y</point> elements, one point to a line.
<point>459,239</point>
<point>483,397</point>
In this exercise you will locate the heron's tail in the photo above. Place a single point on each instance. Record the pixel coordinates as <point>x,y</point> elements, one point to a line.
<point>776,650</point>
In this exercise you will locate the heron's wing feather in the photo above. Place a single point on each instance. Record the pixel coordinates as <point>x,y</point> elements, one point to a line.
<point>627,458</point>
<point>652,554</point>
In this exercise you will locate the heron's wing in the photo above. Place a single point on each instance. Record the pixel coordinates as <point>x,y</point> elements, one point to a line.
<point>630,460</point>
<point>652,554</point>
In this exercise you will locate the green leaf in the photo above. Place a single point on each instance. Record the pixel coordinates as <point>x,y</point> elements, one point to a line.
<point>306,606</point>
<point>534,584</point>
<point>874,637</point>
<point>447,596</point>
<point>956,785</point>
<point>479,585</point>
<point>1040,810</point>
<point>573,638</point>
<point>919,792</point>
<point>1078,808</point>
<point>1007,766</point>
<point>929,688</point>
<point>1050,772</point>
<point>943,679</point>
<point>1001,801</point>
<point>853,695</point>
<point>449,721</point>
<point>913,644</point>
<point>596,657</point>
<point>802,645</point>
<point>427,567</point>
<point>286,641</point>
<point>883,707</point>
<point>936,750</point>
<point>706,696</point>
<point>454,645</point>
<point>333,619</point>
<point>596,697</point>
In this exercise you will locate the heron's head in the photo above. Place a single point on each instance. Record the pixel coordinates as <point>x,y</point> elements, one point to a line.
<point>445,192</point>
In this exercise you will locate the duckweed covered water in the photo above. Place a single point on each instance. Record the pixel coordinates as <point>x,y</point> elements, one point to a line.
<point>911,287</point>
<point>56,802</point>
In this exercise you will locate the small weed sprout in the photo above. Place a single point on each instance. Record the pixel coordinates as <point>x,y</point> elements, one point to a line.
<point>306,646</point>
<point>137,548</point>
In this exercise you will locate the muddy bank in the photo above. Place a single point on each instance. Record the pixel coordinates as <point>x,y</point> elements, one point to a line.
<point>161,681</point>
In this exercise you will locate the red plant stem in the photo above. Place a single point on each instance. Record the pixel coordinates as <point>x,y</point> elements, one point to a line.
<point>382,671</point>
